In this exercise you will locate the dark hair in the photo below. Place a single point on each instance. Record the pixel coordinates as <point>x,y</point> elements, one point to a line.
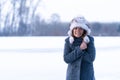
<point>84,33</point>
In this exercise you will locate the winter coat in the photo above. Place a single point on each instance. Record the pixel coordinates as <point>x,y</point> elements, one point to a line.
<point>80,62</point>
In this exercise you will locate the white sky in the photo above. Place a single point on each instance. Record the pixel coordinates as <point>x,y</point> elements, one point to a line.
<point>92,10</point>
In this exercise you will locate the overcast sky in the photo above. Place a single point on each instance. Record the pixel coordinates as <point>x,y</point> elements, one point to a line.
<point>92,10</point>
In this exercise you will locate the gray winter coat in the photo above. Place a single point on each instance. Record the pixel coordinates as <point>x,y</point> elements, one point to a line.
<point>80,62</point>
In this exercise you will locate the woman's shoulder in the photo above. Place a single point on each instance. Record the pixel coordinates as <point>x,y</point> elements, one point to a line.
<point>91,37</point>
<point>67,39</point>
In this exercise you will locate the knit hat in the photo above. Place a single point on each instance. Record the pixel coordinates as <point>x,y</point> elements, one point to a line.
<point>82,23</point>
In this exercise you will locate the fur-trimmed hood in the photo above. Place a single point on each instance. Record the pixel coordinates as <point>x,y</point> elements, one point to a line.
<point>82,23</point>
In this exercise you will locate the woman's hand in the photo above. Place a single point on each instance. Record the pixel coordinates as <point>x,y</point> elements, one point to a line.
<point>83,45</point>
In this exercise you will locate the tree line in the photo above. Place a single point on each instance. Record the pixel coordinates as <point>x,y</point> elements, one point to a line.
<point>60,29</point>
<point>21,20</point>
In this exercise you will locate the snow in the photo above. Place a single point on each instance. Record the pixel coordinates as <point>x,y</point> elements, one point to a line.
<point>41,58</point>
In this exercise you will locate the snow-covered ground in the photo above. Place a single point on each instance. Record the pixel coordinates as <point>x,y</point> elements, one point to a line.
<point>41,58</point>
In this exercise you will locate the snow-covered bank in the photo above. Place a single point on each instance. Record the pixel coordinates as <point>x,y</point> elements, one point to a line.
<point>41,58</point>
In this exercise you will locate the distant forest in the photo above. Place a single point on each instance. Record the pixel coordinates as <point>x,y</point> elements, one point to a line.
<point>60,29</point>
<point>21,19</point>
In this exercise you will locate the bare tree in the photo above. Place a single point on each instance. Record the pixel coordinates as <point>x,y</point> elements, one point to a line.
<point>20,14</point>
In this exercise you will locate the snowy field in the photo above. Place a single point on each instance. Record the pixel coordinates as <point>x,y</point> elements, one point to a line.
<point>41,58</point>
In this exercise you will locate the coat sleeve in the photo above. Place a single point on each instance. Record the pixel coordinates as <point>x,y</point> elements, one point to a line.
<point>71,55</point>
<point>90,53</point>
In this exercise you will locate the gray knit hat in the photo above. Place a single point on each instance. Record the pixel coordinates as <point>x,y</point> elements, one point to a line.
<point>82,23</point>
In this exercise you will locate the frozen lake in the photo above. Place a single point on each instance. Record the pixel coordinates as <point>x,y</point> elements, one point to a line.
<point>41,58</point>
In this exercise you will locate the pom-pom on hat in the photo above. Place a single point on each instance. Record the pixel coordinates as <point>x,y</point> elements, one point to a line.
<point>82,23</point>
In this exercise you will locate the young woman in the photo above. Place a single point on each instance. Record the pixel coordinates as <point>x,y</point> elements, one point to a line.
<point>79,51</point>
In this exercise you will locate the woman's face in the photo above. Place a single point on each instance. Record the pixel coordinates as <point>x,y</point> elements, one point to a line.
<point>77,31</point>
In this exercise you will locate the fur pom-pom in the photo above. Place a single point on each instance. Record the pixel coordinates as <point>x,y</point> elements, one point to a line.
<point>86,39</point>
<point>71,39</point>
<point>69,33</point>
